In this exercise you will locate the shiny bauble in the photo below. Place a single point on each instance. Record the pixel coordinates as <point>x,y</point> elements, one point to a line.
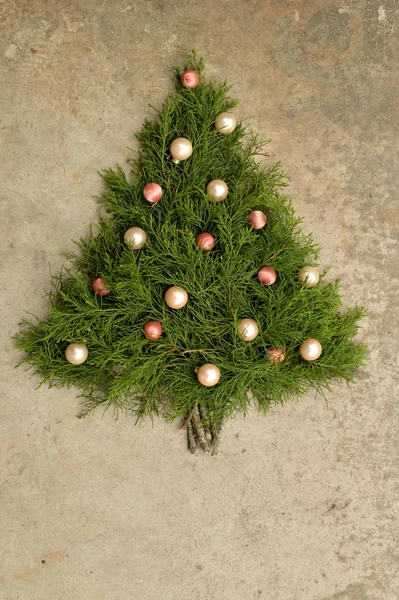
<point>217,190</point>
<point>267,276</point>
<point>276,355</point>
<point>152,192</point>
<point>190,78</point>
<point>308,276</point>
<point>176,297</point>
<point>153,330</point>
<point>310,349</point>
<point>257,219</point>
<point>208,374</point>
<point>76,354</point>
<point>135,237</point>
<point>225,123</point>
<point>100,287</point>
<point>247,329</point>
<point>205,241</point>
<point>180,149</point>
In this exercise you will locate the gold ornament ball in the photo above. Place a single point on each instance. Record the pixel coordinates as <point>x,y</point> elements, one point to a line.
<point>217,190</point>
<point>176,297</point>
<point>208,374</point>
<point>135,237</point>
<point>180,149</point>
<point>247,329</point>
<point>310,349</point>
<point>225,123</point>
<point>308,276</point>
<point>76,354</point>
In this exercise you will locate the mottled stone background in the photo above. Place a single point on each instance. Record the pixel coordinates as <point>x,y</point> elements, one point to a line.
<point>301,505</point>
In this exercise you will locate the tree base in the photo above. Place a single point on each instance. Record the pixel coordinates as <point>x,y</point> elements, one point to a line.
<point>198,435</point>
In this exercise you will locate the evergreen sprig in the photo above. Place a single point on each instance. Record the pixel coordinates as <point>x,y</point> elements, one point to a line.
<point>124,369</point>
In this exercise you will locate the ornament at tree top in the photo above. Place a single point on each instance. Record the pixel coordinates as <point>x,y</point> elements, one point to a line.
<point>205,241</point>
<point>153,330</point>
<point>152,192</point>
<point>76,354</point>
<point>308,276</point>
<point>176,297</point>
<point>100,287</point>
<point>267,276</point>
<point>310,349</point>
<point>190,78</point>
<point>225,123</point>
<point>276,355</point>
<point>257,219</point>
<point>180,149</point>
<point>247,329</point>
<point>217,190</point>
<point>208,374</point>
<point>135,237</point>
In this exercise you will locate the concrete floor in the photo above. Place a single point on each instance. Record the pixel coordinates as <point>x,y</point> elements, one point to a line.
<point>301,505</point>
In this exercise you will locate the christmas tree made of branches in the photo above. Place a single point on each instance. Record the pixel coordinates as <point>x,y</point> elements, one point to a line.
<point>197,294</point>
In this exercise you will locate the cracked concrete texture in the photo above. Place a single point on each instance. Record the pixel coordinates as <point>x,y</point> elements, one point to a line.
<point>301,505</point>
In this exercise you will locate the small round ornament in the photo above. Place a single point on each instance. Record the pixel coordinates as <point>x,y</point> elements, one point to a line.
<point>267,276</point>
<point>152,192</point>
<point>100,287</point>
<point>135,237</point>
<point>276,355</point>
<point>247,329</point>
<point>176,297</point>
<point>76,354</point>
<point>205,241</point>
<point>153,330</point>
<point>180,149</point>
<point>310,349</point>
<point>208,374</point>
<point>225,123</point>
<point>257,219</point>
<point>217,190</point>
<point>190,78</point>
<point>308,276</point>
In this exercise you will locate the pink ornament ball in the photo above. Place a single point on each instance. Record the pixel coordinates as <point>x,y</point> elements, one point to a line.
<point>276,355</point>
<point>153,330</point>
<point>257,219</point>
<point>205,241</point>
<point>267,276</point>
<point>190,78</point>
<point>100,287</point>
<point>152,192</point>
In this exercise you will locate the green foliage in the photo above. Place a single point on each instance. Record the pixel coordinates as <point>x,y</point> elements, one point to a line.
<point>155,377</point>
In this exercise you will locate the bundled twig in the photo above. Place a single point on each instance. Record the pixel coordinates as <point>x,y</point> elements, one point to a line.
<point>185,423</point>
<point>199,436</point>
<point>192,444</point>
<point>200,431</point>
<point>216,441</point>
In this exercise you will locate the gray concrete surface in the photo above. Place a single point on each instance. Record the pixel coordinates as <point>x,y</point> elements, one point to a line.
<point>301,505</point>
